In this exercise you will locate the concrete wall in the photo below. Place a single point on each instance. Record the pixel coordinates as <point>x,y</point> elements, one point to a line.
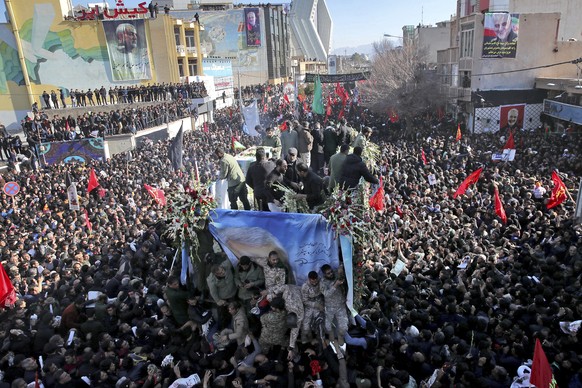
<point>433,39</point>
<point>570,10</point>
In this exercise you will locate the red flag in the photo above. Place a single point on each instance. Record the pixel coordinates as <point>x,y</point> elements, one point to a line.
<point>423,156</point>
<point>157,194</point>
<point>393,116</point>
<point>87,222</point>
<point>205,126</point>
<point>284,126</point>
<point>67,125</point>
<point>471,179</point>
<point>301,97</point>
<point>93,182</point>
<point>499,210</point>
<point>541,373</point>
<point>328,107</point>
<point>458,137</point>
<point>286,98</point>
<point>377,200</point>
<point>510,144</point>
<point>265,108</point>
<point>7,293</point>
<point>305,106</point>
<point>399,211</point>
<point>558,192</point>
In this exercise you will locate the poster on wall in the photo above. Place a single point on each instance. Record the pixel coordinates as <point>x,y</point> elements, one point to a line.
<point>221,70</point>
<point>128,49</point>
<point>511,119</point>
<point>332,64</point>
<point>252,27</point>
<point>500,35</point>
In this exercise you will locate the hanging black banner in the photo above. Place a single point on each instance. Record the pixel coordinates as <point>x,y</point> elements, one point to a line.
<point>327,78</point>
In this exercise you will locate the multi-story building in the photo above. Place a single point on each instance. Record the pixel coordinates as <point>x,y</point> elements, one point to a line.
<point>510,54</point>
<point>46,45</point>
<point>311,24</point>
<point>428,38</point>
<point>259,53</point>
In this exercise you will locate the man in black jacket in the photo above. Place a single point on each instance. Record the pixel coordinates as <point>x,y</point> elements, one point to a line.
<point>256,175</point>
<point>313,190</point>
<point>353,169</point>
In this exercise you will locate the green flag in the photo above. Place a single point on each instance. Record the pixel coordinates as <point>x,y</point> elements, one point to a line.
<point>317,105</point>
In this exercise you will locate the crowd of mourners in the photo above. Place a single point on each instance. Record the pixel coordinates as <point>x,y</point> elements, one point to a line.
<point>120,95</point>
<point>103,306</point>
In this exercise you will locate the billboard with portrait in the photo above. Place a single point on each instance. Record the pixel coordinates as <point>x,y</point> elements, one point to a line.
<point>128,49</point>
<point>500,35</point>
<point>511,118</point>
<point>253,27</point>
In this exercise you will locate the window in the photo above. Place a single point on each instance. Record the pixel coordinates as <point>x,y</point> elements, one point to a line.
<point>190,38</point>
<point>192,67</point>
<point>467,38</point>
<point>180,67</point>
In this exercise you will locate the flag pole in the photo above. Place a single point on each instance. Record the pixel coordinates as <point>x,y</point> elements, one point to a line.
<point>174,260</point>
<point>566,187</point>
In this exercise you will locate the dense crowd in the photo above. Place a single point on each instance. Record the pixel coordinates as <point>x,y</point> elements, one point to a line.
<point>466,309</point>
<point>121,95</point>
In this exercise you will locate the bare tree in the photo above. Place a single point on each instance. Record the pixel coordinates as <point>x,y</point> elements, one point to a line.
<point>399,80</point>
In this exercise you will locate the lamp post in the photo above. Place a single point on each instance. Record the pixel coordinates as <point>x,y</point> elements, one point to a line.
<point>393,36</point>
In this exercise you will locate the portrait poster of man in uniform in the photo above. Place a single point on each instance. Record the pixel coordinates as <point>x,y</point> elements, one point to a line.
<point>128,49</point>
<point>511,119</point>
<point>500,35</point>
<point>252,27</point>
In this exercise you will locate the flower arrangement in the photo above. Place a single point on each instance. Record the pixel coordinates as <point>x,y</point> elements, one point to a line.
<point>348,213</point>
<point>187,212</point>
<point>291,203</point>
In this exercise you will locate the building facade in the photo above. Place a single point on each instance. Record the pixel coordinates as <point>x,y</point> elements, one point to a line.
<point>486,72</point>
<point>47,46</point>
<point>311,24</point>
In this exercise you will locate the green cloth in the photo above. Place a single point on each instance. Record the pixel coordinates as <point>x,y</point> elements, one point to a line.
<point>317,105</point>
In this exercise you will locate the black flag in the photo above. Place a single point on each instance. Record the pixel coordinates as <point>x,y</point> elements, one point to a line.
<point>175,153</point>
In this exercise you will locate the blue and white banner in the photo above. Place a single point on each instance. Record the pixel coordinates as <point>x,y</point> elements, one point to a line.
<point>347,254</point>
<point>303,241</point>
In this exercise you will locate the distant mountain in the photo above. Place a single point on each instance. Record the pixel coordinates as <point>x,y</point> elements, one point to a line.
<point>361,49</point>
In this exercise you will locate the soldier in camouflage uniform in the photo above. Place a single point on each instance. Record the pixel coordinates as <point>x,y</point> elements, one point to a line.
<point>335,304</point>
<point>274,270</point>
<point>273,331</point>
<point>291,294</point>
<point>312,299</point>
<point>248,278</point>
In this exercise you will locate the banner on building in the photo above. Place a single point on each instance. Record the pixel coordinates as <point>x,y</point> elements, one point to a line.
<point>500,35</point>
<point>80,151</point>
<point>332,65</point>
<point>562,111</point>
<point>327,79</point>
<point>221,70</point>
<point>253,27</point>
<point>511,118</point>
<point>128,49</point>
<point>303,241</point>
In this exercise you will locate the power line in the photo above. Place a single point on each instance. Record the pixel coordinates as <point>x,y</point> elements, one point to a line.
<point>573,61</point>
